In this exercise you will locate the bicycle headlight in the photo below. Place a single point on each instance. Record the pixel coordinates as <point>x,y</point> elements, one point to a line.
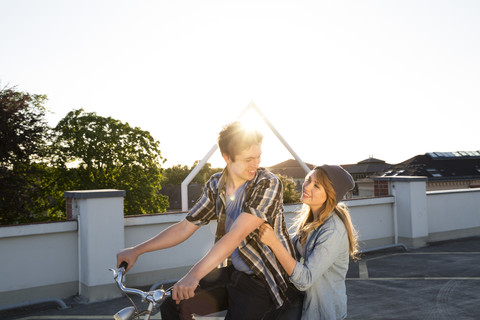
<point>125,314</point>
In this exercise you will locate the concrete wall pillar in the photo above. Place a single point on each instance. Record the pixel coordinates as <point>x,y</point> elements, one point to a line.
<point>410,208</point>
<point>100,237</point>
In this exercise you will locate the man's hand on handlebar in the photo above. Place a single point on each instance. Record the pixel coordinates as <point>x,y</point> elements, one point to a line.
<point>185,288</point>
<point>128,255</point>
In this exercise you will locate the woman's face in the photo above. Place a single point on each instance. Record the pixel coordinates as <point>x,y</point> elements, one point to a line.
<point>313,193</point>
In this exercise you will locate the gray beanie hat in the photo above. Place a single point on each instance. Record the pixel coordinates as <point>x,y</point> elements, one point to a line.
<point>342,181</point>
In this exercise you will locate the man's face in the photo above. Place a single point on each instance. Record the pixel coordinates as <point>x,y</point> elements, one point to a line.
<point>246,163</point>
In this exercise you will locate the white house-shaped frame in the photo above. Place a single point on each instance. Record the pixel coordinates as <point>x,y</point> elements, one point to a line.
<point>251,105</point>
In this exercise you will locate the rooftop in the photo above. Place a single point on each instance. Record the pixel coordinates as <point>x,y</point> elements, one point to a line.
<point>290,168</point>
<point>440,281</point>
<point>367,166</point>
<point>440,166</point>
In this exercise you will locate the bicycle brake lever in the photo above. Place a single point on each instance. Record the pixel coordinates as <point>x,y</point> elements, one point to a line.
<point>115,273</point>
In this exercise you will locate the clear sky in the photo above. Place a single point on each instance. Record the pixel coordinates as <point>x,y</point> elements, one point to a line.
<point>340,80</point>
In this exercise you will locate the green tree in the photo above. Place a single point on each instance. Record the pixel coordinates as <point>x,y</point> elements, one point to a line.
<point>177,173</point>
<point>289,193</point>
<point>24,131</point>
<point>94,152</point>
<point>205,173</point>
<point>26,190</point>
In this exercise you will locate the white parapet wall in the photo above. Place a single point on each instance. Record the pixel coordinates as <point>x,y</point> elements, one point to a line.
<point>64,259</point>
<point>453,214</point>
<point>169,264</point>
<point>373,219</point>
<point>38,261</point>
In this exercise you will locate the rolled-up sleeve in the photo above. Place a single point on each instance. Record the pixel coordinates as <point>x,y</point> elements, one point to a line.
<point>327,246</point>
<point>204,209</point>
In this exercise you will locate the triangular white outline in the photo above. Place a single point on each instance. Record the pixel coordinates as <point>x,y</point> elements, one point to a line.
<point>199,166</point>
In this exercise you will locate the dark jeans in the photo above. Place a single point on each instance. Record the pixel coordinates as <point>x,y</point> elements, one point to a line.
<point>242,295</point>
<point>292,308</point>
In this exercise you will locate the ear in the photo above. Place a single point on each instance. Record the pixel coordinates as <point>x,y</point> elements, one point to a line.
<point>226,158</point>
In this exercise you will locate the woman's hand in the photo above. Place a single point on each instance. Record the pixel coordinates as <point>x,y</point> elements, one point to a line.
<point>268,237</point>
<point>266,234</point>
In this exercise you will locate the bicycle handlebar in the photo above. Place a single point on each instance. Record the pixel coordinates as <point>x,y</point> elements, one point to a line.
<point>155,296</point>
<point>123,265</point>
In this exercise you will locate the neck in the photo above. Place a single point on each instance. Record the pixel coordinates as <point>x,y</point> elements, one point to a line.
<point>316,213</point>
<point>233,183</point>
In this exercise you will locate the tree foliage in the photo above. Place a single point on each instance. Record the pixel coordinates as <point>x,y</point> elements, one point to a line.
<point>23,128</point>
<point>26,191</point>
<point>205,173</point>
<point>83,152</point>
<point>94,152</point>
<point>290,195</point>
<point>176,174</point>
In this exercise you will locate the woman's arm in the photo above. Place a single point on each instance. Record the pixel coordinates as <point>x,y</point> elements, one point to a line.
<point>267,236</point>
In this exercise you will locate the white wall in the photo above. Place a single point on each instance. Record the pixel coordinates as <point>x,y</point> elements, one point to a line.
<point>42,260</point>
<point>168,264</point>
<point>373,219</point>
<point>38,260</point>
<point>453,214</point>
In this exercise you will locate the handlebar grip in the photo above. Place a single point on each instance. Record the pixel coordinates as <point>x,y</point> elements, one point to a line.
<point>123,265</point>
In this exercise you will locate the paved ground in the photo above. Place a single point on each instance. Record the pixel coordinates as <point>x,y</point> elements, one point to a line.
<point>441,281</point>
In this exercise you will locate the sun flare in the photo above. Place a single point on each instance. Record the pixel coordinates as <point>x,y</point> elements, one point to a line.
<point>252,121</point>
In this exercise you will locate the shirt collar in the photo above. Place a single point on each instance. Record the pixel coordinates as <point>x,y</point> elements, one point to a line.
<point>223,180</point>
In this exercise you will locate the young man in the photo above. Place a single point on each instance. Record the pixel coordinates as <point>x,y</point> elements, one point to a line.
<point>250,283</point>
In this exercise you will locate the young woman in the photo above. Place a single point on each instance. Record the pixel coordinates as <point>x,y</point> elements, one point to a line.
<point>324,240</point>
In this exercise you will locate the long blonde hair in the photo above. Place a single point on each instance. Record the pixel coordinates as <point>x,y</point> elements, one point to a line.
<point>305,222</point>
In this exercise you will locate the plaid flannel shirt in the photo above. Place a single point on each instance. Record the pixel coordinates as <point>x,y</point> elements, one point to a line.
<point>264,199</point>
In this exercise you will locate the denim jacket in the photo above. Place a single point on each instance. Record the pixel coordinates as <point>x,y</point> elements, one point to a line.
<point>321,273</point>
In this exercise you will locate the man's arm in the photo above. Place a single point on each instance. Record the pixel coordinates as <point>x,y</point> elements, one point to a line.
<point>223,248</point>
<point>169,237</point>
<point>268,237</point>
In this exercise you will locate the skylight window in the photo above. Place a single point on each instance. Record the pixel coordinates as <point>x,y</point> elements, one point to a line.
<point>456,154</point>
<point>399,172</point>
<point>434,172</point>
<point>387,173</point>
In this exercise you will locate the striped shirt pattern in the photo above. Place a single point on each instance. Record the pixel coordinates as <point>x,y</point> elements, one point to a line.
<point>264,199</point>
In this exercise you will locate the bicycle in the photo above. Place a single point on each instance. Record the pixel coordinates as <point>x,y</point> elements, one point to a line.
<point>154,297</point>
